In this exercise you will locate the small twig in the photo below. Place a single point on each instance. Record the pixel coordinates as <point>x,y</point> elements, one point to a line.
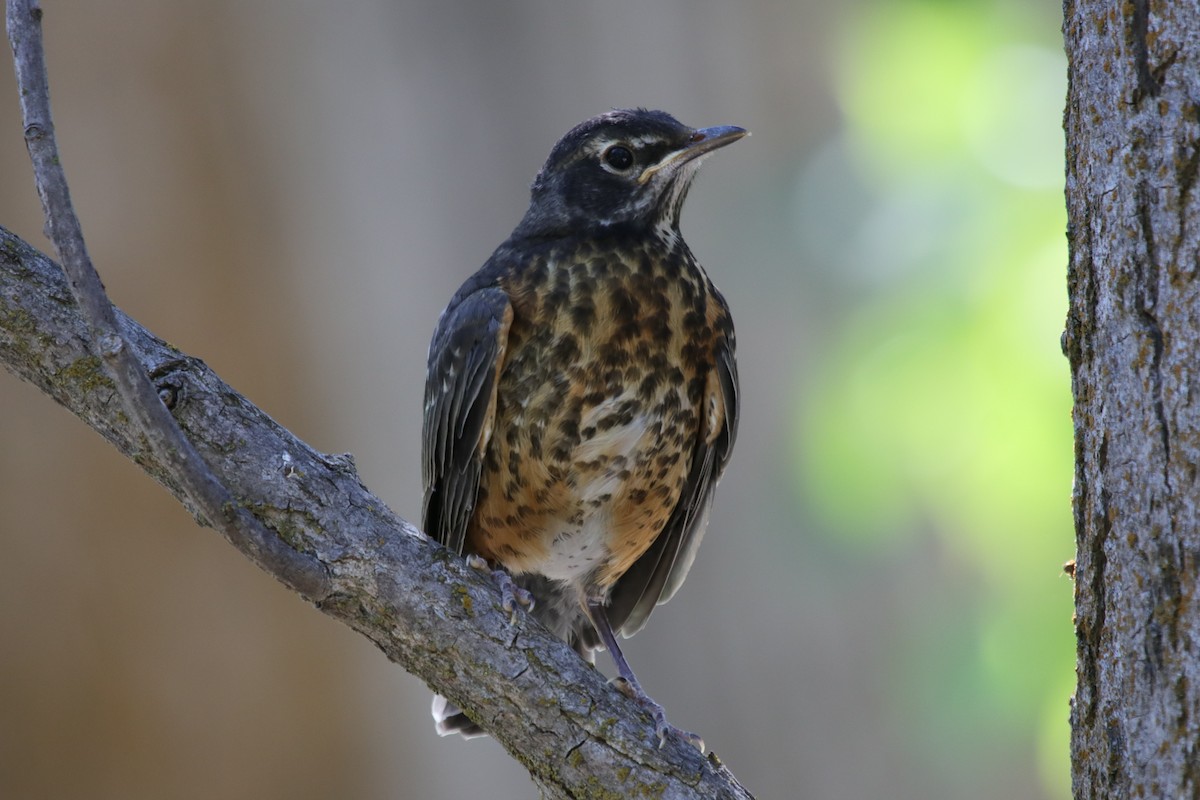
<point>207,496</point>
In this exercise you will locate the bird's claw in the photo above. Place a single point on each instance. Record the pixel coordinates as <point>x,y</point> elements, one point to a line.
<point>624,687</point>
<point>662,728</point>
<point>694,739</point>
<point>511,594</point>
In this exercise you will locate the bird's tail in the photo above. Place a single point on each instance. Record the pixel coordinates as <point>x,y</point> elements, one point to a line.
<point>450,719</point>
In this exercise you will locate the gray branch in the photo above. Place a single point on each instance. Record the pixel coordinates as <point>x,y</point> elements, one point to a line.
<point>330,539</point>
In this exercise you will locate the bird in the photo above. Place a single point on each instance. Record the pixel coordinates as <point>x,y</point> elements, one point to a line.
<point>581,399</point>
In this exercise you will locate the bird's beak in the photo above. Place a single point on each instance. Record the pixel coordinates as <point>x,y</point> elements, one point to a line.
<point>703,142</point>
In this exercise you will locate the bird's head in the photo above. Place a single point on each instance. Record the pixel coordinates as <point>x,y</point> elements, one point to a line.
<point>629,167</point>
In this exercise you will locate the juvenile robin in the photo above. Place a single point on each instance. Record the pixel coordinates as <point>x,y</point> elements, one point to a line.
<point>582,394</point>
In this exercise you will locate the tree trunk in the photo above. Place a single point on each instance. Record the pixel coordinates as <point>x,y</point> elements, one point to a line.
<point>1133,338</point>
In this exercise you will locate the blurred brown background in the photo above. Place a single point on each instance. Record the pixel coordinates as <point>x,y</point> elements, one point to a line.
<point>291,191</point>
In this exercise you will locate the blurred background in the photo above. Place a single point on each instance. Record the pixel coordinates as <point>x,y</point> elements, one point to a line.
<point>292,190</point>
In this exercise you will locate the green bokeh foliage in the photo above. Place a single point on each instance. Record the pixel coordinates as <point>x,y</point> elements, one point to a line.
<point>942,407</point>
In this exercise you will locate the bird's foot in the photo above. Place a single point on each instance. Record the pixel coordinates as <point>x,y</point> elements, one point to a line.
<point>661,727</point>
<point>511,594</point>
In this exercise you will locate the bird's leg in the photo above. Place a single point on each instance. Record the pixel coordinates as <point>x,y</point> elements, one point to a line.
<point>628,683</point>
<point>511,594</point>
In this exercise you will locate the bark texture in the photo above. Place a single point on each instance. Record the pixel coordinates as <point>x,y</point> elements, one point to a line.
<point>1133,339</point>
<point>577,736</point>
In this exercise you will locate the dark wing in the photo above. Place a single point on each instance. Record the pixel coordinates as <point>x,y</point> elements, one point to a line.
<point>465,359</point>
<point>657,575</point>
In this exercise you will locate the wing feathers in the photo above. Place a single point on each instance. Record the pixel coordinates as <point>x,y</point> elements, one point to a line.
<point>465,360</point>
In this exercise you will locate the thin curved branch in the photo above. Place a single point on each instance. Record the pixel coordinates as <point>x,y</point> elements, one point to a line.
<point>421,606</point>
<point>203,493</point>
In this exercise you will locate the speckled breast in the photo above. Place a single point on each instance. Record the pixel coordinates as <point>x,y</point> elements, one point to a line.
<point>597,412</point>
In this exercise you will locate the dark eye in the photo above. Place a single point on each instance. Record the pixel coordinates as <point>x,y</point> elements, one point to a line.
<point>618,157</point>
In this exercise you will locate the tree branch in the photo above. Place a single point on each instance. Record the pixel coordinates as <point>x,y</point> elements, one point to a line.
<point>362,564</point>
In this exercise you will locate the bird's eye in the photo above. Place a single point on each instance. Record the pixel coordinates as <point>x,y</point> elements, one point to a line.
<point>618,157</point>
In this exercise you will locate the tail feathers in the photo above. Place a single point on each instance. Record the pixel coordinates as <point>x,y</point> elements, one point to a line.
<point>450,720</point>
